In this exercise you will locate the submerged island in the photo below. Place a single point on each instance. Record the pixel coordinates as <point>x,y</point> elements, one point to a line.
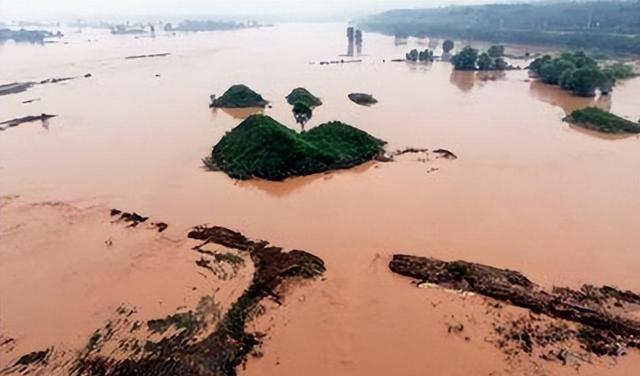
<point>363,99</point>
<point>263,148</point>
<point>303,95</point>
<point>602,121</point>
<point>238,96</point>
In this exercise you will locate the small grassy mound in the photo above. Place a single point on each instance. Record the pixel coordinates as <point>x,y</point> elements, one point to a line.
<point>239,96</point>
<point>602,121</point>
<point>362,99</point>
<point>303,95</point>
<point>261,147</point>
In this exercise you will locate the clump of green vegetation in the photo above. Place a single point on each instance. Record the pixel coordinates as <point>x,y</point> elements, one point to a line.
<point>602,121</point>
<point>447,46</point>
<point>229,258</point>
<point>579,73</point>
<point>424,56</point>
<point>181,321</point>
<point>362,99</point>
<point>303,104</point>
<point>31,359</point>
<point>302,112</point>
<point>263,148</point>
<point>496,51</point>
<point>207,311</point>
<point>457,270</point>
<point>224,265</point>
<point>238,96</point>
<point>470,59</point>
<point>303,95</point>
<point>93,341</point>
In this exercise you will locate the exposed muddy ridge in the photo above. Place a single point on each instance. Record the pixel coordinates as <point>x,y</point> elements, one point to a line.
<point>603,318</point>
<point>229,344</point>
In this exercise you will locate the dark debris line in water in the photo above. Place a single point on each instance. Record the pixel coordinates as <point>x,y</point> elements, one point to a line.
<point>229,344</point>
<point>134,219</point>
<point>19,87</point>
<point>601,313</point>
<point>27,361</point>
<point>147,56</point>
<point>27,119</point>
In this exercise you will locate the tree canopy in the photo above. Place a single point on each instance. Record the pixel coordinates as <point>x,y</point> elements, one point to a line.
<point>424,56</point>
<point>447,46</point>
<point>579,73</point>
<point>496,51</point>
<point>470,59</point>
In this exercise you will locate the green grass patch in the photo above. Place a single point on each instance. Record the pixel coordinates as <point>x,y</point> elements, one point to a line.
<point>602,121</point>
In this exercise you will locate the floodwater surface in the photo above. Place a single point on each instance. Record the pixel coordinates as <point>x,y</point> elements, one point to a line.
<point>527,192</point>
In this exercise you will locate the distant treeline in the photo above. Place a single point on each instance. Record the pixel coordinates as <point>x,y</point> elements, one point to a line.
<point>604,25</point>
<point>30,36</point>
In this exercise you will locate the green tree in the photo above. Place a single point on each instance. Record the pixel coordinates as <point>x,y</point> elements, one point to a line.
<point>465,59</point>
<point>496,51</point>
<point>302,112</point>
<point>538,63</point>
<point>447,46</point>
<point>619,70</point>
<point>552,71</point>
<point>500,64</point>
<point>566,79</point>
<point>412,55</point>
<point>484,62</point>
<point>584,81</point>
<point>425,55</point>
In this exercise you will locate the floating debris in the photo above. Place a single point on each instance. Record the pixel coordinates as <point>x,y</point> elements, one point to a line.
<point>27,119</point>
<point>147,56</point>
<point>134,219</point>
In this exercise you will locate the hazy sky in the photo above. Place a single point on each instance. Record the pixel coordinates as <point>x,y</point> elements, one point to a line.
<point>50,9</point>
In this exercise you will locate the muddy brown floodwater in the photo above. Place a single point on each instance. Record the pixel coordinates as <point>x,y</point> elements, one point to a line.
<point>527,192</point>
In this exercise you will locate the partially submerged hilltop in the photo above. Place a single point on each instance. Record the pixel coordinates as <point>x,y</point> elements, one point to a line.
<point>263,148</point>
<point>598,120</point>
<point>303,95</point>
<point>238,96</point>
